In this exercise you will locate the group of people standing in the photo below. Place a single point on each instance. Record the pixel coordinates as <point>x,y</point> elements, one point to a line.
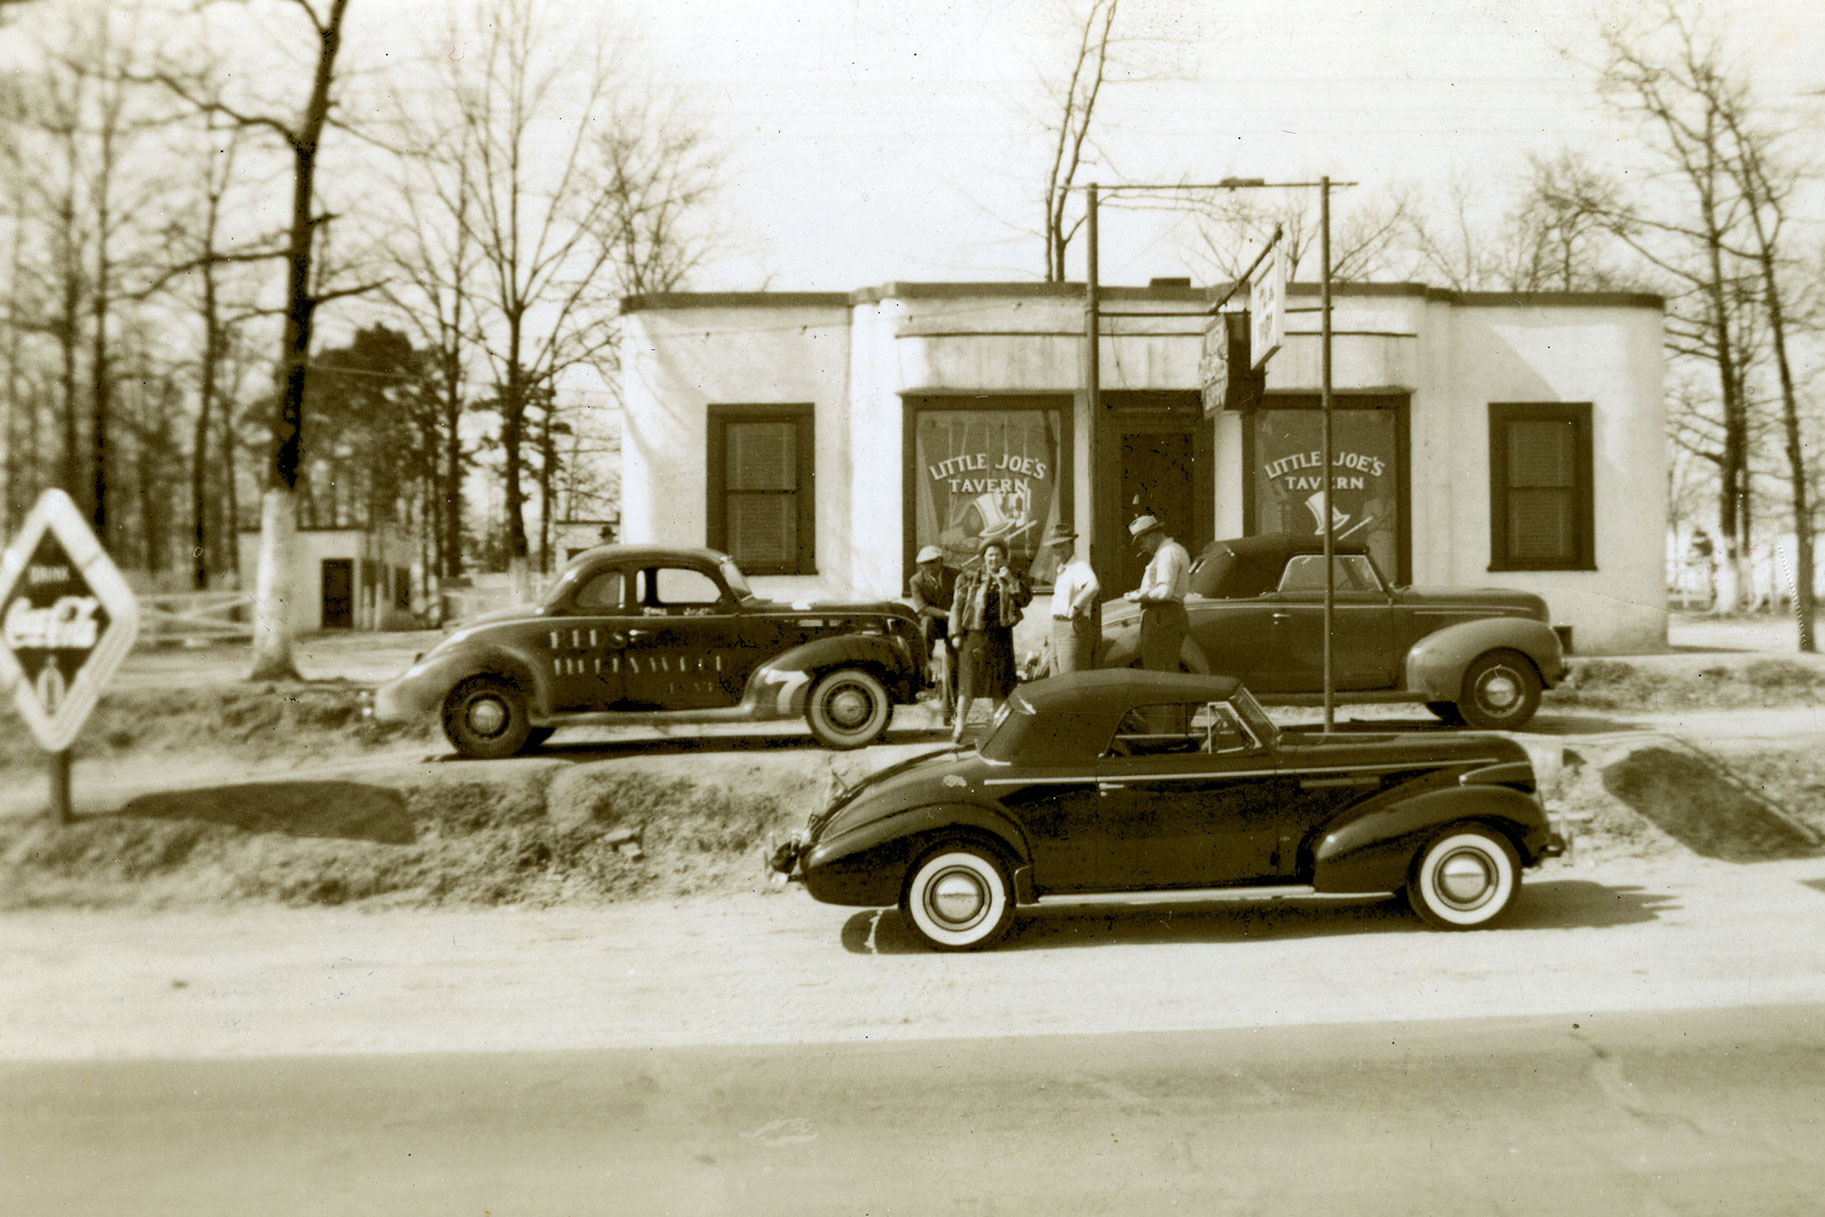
<point>969,616</point>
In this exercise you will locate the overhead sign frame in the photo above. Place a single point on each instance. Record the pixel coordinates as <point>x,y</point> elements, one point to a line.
<point>67,620</point>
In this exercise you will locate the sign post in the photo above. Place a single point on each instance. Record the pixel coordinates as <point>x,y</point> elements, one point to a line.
<point>67,619</point>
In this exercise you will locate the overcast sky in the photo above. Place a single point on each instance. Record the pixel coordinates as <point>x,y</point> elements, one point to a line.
<point>877,141</point>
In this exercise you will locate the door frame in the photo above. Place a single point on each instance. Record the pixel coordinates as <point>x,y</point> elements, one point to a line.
<point>1126,413</point>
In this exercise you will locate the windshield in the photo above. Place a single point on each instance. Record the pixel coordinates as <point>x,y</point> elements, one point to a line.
<point>738,583</point>
<point>1245,704</point>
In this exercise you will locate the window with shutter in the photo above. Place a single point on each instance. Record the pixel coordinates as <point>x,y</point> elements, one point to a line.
<point>760,476</point>
<point>1540,487</point>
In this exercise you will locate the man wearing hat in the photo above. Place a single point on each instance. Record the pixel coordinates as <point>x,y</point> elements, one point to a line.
<point>1074,618</point>
<point>1161,594</point>
<point>933,585</point>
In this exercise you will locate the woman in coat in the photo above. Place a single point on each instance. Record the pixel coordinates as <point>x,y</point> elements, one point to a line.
<point>984,611</point>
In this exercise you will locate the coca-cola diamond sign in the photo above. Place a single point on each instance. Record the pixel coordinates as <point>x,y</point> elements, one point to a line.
<point>67,619</point>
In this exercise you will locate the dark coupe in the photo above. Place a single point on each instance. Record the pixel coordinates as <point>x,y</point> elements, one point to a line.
<point>1476,656</point>
<point>1113,782</point>
<point>631,632</point>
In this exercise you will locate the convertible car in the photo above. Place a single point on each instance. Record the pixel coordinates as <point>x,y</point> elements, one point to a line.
<point>641,633</point>
<point>1101,784</point>
<point>1476,656</point>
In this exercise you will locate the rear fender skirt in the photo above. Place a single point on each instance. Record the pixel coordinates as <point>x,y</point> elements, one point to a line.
<point>1372,853</point>
<point>1436,663</point>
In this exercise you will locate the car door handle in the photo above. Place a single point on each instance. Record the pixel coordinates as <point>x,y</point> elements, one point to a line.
<point>1110,787</point>
<point>1278,617</point>
<point>638,633</point>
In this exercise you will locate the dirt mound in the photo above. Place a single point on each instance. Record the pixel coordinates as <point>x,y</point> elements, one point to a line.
<point>269,719</point>
<point>529,832</point>
<point>1706,808</point>
<point>1620,684</point>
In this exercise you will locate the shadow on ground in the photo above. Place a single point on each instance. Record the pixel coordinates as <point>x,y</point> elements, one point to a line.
<point>1544,905</point>
<point>1699,804</point>
<point>349,811</point>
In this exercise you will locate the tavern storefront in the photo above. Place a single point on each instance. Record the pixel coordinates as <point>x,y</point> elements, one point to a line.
<point>1478,439</point>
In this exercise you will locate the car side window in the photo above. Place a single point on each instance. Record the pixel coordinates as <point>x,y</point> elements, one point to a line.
<point>677,591</point>
<point>602,593</point>
<point>1304,574</point>
<point>1161,730</point>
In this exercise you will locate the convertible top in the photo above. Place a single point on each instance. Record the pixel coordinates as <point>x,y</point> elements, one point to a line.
<point>1118,689</point>
<point>1244,567</point>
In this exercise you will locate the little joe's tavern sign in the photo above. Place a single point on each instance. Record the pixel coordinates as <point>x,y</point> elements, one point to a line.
<point>67,619</point>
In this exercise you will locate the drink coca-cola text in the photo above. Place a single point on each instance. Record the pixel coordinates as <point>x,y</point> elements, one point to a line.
<point>67,624</point>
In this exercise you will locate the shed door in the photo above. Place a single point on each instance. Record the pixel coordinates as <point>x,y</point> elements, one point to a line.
<point>338,594</point>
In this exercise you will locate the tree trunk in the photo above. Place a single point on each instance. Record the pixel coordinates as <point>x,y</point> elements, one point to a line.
<point>272,617</point>
<point>272,638</point>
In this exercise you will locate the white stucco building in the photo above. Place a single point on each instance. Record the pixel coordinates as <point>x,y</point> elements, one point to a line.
<point>1480,438</point>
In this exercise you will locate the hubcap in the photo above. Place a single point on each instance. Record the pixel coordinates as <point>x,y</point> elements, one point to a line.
<point>1500,690</point>
<point>487,716</point>
<point>957,898</point>
<point>1465,878</point>
<point>850,706</point>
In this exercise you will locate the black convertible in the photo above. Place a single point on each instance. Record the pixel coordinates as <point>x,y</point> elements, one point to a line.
<point>1114,782</point>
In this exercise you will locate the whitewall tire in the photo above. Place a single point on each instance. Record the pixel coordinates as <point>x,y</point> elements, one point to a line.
<point>848,708</point>
<point>1464,879</point>
<point>958,898</point>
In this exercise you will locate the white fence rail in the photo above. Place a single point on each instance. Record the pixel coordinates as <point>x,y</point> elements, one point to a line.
<point>195,617</point>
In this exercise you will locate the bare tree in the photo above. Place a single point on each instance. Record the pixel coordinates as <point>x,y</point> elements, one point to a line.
<point>1767,190</point>
<point>661,175</point>
<point>1075,106</point>
<point>1233,226</point>
<point>1686,228</point>
<point>300,130</point>
<point>535,211</point>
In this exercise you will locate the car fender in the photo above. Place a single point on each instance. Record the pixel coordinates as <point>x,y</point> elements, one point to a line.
<point>867,865</point>
<point>1124,651</point>
<point>782,685</point>
<point>1371,853</point>
<point>1436,663</point>
<point>425,685</point>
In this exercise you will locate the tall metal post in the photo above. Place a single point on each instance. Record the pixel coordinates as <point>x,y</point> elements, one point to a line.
<point>1093,366</point>
<point>1329,479</point>
<point>1093,354</point>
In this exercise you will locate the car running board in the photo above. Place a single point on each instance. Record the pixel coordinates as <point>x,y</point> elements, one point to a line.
<point>1200,895</point>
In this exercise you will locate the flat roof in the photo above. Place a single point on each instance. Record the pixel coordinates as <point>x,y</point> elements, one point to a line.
<point>1161,292</point>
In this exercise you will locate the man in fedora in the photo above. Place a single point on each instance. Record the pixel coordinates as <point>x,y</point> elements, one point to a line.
<point>1161,594</point>
<point>933,585</point>
<point>1074,634</point>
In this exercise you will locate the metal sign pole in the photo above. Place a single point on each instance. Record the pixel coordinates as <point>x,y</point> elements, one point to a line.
<point>1328,479</point>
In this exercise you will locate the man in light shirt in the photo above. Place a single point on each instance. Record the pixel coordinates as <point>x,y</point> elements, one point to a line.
<point>1161,594</point>
<point>1074,617</point>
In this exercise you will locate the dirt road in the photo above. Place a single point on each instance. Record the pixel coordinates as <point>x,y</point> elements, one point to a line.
<point>771,968</point>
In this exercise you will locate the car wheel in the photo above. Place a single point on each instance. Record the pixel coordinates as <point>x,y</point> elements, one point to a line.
<point>485,718</point>
<point>1501,691</point>
<point>958,898</point>
<point>1447,712</point>
<point>848,708</point>
<point>1466,878</point>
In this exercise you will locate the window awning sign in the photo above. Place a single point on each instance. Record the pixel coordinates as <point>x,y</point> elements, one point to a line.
<point>67,619</point>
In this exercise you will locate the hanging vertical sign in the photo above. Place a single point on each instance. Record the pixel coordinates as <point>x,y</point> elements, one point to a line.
<point>1267,306</point>
<point>67,619</point>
